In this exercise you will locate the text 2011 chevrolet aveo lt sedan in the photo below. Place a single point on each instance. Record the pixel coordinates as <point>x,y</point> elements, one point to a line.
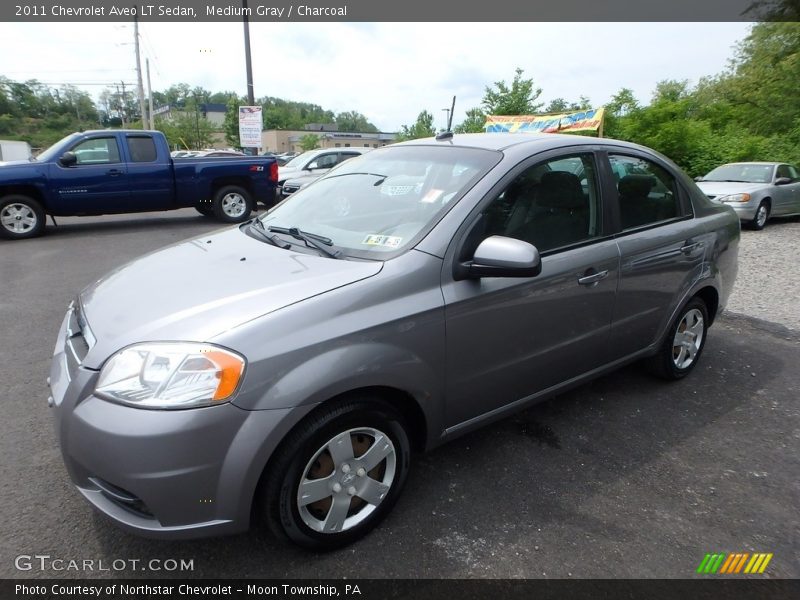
<point>288,367</point>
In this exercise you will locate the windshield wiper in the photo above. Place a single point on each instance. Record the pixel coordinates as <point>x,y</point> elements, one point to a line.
<point>256,226</point>
<point>319,242</point>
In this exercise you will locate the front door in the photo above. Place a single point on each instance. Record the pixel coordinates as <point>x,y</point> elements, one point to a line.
<point>509,338</point>
<point>97,184</point>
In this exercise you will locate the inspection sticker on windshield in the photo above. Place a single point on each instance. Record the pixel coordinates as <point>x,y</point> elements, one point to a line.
<point>382,240</point>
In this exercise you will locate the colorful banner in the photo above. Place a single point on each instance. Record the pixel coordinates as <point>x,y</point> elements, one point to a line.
<point>583,120</point>
<point>250,126</point>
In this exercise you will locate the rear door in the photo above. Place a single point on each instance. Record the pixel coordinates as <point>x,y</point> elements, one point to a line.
<point>661,245</point>
<point>150,176</point>
<point>786,199</point>
<point>98,183</point>
<point>510,338</point>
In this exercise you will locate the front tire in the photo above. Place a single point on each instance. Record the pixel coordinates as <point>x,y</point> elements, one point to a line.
<point>683,344</point>
<point>232,204</point>
<point>21,217</point>
<point>338,475</point>
<point>762,214</point>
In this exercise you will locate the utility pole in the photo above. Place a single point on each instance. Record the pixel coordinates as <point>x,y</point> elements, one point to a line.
<point>150,94</point>
<point>139,71</point>
<point>124,104</point>
<point>251,97</point>
<point>248,63</point>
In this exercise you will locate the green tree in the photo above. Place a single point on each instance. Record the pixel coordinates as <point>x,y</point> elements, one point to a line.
<point>474,122</point>
<point>423,127</point>
<point>309,141</point>
<point>187,130</point>
<point>231,123</point>
<point>518,99</point>
<point>354,121</point>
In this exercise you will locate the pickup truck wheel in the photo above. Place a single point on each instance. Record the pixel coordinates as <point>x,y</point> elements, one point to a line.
<point>232,204</point>
<point>21,217</point>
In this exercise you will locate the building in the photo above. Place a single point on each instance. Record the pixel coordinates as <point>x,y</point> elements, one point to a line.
<point>288,140</point>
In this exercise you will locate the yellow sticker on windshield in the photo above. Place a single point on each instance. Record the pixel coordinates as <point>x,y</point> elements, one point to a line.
<point>390,241</point>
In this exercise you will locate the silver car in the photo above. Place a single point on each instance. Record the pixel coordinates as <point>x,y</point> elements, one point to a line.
<point>309,166</point>
<point>755,190</point>
<point>288,367</point>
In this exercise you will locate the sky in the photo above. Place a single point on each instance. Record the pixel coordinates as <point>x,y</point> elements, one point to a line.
<point>387,71</point>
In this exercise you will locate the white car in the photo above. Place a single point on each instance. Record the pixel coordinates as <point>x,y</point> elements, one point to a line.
<point>311,165</point>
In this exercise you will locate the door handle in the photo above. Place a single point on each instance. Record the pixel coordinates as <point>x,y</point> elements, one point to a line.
<point>114,172</point>
<point>591,278</point>
<point>688,248</point>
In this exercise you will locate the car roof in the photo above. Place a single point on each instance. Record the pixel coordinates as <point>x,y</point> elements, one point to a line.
<point>504,141</point>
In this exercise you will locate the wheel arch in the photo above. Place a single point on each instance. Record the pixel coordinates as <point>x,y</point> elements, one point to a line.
<point>24,190</point>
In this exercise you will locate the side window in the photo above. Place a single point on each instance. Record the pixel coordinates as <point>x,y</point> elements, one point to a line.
<point>793,173</point>
<point>326,161</point>
<point>97,151</point>
<point>142,149</point>
<point>550,205</point>
<point>347,155</point>
<point>647,192</point>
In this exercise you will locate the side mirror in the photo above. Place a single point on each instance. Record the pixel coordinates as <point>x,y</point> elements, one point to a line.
<point>698,178</point>
<point>68,159</point>
<point>499,256</point>
<point>782,181</point>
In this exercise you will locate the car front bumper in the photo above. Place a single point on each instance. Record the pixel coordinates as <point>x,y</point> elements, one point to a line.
<point>160,473</point>
<point>746,211</point>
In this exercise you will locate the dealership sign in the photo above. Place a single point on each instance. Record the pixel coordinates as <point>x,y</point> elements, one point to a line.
<point>250,126</point>
<point>583,120</point>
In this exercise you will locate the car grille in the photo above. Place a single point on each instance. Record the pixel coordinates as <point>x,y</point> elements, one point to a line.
<point>78,341</point>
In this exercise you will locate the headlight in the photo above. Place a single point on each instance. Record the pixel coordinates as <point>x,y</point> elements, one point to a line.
<point>735,198</point>
<point>169,375</point>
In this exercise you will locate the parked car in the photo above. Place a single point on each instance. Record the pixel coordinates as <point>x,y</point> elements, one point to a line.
<point>291,185</point>
<point>755,190</point>
<point>288,367</point>
<point>315,163</point>
<point>127,171</point>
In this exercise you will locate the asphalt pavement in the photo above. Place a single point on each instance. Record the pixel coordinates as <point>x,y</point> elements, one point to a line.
<point>627,476</point>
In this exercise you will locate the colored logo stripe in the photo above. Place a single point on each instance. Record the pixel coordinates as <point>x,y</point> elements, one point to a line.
<point>734,563</point>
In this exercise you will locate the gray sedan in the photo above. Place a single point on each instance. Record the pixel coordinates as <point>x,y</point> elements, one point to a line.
<point>755,190</point>
<point>286,369</point>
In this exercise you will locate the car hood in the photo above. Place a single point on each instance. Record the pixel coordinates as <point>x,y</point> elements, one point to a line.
<point>724,188</point>
<point>14,163</point>
<point>286,172</point>
<point>200,288</point>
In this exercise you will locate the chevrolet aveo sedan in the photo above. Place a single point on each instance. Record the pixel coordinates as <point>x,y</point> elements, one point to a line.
<point>286,369</point>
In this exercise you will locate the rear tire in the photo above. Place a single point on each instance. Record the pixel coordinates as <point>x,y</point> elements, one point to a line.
<point>21,217</point>
<point>683,344</point>
<point>361,450</point>
<point>232,204</point>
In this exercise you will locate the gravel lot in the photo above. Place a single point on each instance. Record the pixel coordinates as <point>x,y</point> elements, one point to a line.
<point>768,284</point>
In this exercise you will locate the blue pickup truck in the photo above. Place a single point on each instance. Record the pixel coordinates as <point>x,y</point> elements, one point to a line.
<point>127,171</point>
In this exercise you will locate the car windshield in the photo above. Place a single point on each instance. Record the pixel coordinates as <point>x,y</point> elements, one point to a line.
<point>380,202</point>
<point>745,172</point>
<point>300,160</point>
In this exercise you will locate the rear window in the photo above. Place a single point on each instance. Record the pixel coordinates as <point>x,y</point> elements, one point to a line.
<point>142,149</point>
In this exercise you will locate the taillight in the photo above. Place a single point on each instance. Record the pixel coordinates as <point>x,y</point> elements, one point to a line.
<point>273,172</point>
